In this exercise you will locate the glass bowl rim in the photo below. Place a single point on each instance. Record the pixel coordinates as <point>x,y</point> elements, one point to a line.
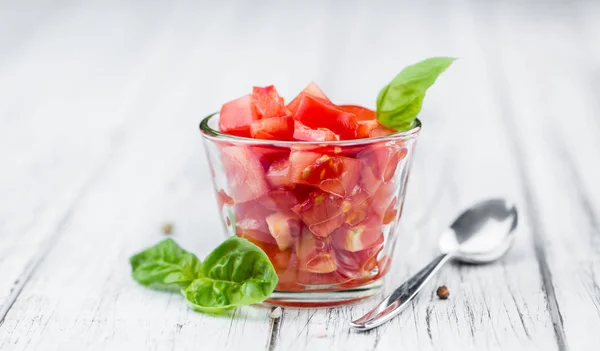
<point>213,134</point>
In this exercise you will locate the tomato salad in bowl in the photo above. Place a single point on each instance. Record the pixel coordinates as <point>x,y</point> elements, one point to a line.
<point>318,186</point>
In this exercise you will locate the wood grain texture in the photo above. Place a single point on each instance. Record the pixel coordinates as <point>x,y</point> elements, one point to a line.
<point>100,101</point>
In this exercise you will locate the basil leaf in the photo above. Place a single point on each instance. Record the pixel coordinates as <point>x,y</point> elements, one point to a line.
<point>165,265</point>
<point>399,102</point>
<point>236,273</point>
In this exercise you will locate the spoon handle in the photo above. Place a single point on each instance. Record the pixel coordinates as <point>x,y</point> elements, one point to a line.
<point>396,301</point>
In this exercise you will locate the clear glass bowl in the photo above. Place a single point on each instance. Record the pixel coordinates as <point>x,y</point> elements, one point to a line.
<point>326,213</point>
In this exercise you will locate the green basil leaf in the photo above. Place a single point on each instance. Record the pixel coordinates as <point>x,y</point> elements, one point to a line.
<point>165,265</point>
<point>399,102</point>
<point>236,273</point>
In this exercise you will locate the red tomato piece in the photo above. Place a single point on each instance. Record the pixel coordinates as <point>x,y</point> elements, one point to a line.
<point>223,199</point>
<point>366,127</point>
<point>268,154</point>
<point>381,130</point>
<point>390,213</point>
<point>359,207</point>
<point>245,175</point>
<point>321,212</point>
<point>284,227</point>
<point>278,174</point>
<point>274,128</point>
<point>382,198</point>
<point>357,264</point>
<point>303,133</point>
<point>361,237</point>
<point>316,113</point>
<point>237,115</point>
<point>313,90</point>
<point>267,102</point>
<point>362,113</point>
<point>334,174</point>
<point>314,254</point>
<point>280,199</point>
<point>379,163</point>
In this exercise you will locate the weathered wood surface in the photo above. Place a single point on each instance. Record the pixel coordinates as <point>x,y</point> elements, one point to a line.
<point>99,105</point>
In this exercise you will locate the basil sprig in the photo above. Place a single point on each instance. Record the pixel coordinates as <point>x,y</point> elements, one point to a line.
<point>399,102</point>
<point>236,273</point>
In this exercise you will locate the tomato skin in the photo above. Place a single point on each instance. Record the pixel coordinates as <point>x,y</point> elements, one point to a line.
<point>312,90</point>
<point>274,128</point>
<point>321,212</point>
<point>245,175</point>
<point>362,113</point>
<point>237,115</point>
<point>267,102</point>
<point>316,113</point>
<point>284,227</point>
<point>334,174</point>
<point>303,133</point>
<point>360,237</point>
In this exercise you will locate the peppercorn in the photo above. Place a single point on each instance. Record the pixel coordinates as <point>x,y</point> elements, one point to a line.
<point>167,228</point>
<point>443,292</point>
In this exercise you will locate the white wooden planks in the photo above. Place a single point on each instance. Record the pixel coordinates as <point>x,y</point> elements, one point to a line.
<point>100,103</point>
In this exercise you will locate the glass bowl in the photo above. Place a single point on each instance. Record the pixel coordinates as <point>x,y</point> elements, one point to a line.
<point>325,213</point>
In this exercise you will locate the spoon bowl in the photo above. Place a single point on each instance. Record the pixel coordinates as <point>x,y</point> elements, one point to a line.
<point>481,234</point>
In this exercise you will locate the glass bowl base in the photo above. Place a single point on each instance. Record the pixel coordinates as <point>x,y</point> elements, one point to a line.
<point>316,298</point>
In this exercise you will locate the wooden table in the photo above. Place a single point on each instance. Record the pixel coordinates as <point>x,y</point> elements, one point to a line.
<point>99,146</point>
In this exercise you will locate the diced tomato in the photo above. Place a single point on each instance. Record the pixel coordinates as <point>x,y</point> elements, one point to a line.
<point>267,154</point>
<point>223,199</point>
<point>274,128</point>
<point>380,201</point>
<point>366,127</point>
<point>251,216</point>
<point>278,174</point>
<point>334,174</point>
<point>359,208</point>
<point>321,212</point>
<point>379,163</point>
<point>267,102</point>
<point>362,113</point>
<point>381,130</point>
<point>359,263</point>
<point>314,254</point>
<point>390,213</point>
<point>284,227</point>
<point>245,175</point>
<point>303,133</point>
<point>361,237</point>
<point>316,113</point>
<point>280,199</point>
<point>313,90</point>
<point>237,115</point>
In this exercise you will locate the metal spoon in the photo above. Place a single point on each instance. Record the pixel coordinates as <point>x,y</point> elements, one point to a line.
<point>481,234</point>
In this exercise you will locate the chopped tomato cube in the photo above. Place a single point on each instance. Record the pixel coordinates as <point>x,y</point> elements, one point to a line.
<point>379,163</point>
<point>314,254</point>
<point>363,236</point>
<point>313,90</point>
<point>303,133</point>
<point>381,200</point>
<point>366,127</point>
<point>274,128</point>
<point>316,113</point>
<point>278,174</point>
<point>237,115</point>
<point>334,174</point>
<point>357,264</point>
<point>245,175</point>
<point>284,227</point>
<point>280,199</point>
<point>267,102</point>
<point>362,113</point>
<point>321,212</point>
<point>381,130</point>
